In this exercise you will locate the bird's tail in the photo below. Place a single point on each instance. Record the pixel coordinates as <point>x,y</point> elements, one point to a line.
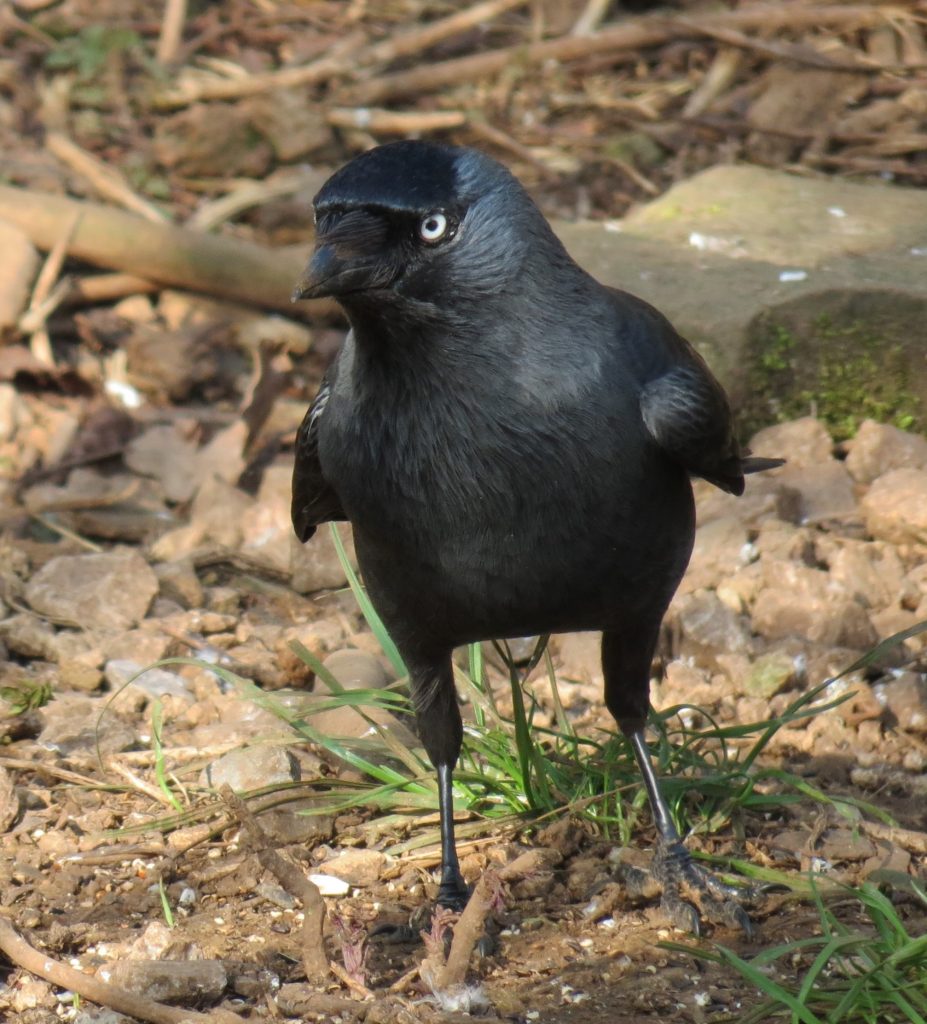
<point>756,464</point>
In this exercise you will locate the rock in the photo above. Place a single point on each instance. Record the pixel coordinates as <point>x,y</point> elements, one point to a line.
<point>770,674</point>
<point>142,646</point>
<point>181,466</point>
<point>268,537</point>
<point>895,506</point>
<point>765,497</point>
<point>253,768</point>
<point>266,526</point>
<point>179,582</point>
<point>803,602</point>
<point>706,626</point>
<point>879,447</point>
<point>721,548</point>
<point>871,573</point>
<point>802,443</point>
<point>110,590</point>
<point>358,867</point>
<point>906,698</point>
<point>315,565</point>
<point>152,683</point>
<point>830,318</point>
<point>825,491</point>
<point>344,722</point>
<point>215,519</point>
<point>78,674</point>
<point>18,268</point>
<point>779,540</point>
<point>750,212</point>
<point>685,684</point>
<point>355,670</point>
<point>738,592</point>
<point>72,726</point>
<point>579,656</point>
<point>178,982</point>
<point>29,636</point>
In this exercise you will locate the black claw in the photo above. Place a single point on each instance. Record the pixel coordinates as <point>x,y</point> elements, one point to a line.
<point>681,879</point>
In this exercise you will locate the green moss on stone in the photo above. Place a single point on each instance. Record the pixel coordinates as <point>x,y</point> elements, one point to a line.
<point>843,373</point>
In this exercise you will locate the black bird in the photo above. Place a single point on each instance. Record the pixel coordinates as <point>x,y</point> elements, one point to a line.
<point>512,441</point>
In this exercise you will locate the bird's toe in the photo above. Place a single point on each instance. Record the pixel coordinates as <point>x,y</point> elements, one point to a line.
<point>718,902</point>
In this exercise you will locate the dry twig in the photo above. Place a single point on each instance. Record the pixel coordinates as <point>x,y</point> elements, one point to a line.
<point>175,13</point>
<point>106,181</point>
<point>315,963</point>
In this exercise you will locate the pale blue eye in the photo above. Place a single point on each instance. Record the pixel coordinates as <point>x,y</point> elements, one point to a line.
<point>433,227</point>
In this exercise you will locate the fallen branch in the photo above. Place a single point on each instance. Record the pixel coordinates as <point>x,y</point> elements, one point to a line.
<point>100,992</point>
<point>628,36</point>
<point>225,267</point>
<point>315,963</point>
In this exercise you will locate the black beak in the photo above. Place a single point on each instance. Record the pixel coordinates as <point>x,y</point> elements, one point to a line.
<point>326,274</point>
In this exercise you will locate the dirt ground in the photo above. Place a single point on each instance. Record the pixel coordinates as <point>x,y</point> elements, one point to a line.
<point>91,849</point>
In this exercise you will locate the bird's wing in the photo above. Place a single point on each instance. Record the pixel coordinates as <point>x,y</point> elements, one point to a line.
<point>314,500</point>
<point>686,412</point>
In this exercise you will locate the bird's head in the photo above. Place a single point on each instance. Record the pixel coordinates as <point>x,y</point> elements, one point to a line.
<point>419,222</point>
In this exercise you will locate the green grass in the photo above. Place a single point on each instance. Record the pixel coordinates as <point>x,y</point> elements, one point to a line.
<point>870,972</point>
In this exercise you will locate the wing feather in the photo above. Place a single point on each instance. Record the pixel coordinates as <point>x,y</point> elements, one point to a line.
<point>314,500</point>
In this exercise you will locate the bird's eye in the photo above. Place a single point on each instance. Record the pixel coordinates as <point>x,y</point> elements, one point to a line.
<point>433,228</point>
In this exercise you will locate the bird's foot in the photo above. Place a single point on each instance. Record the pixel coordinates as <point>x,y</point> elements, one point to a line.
<point>452,897</point>
<point>691,893</point>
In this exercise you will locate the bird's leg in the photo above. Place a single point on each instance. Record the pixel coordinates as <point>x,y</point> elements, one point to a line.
<point>441,730</point>
<point>675,870</point>
<point>453,891</point>
<point>626,655</point>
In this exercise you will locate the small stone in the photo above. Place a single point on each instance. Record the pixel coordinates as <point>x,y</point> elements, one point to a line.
<point>721,548</point>
<point>224,600</point>
<point>803,602</point>
<point>906,698</point>
<point>179,582</point>
<point>178,982</point>
<point>357,867</point>
<point>109,590</point>
<point>315,565</point>
<point>71,726</point>
<point>872,573</point>
<point>880,447</point>
<point>29,636</point>
<point>153,682</point>
<point>215,518</point>
<point>706,626</point>
<point>825,490</point>
<point>77,674</point>
<point>355,670</point>
<point>770,674</point>
<point>802,442</point>
<point>895,507</point>
<point>253,768</point>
